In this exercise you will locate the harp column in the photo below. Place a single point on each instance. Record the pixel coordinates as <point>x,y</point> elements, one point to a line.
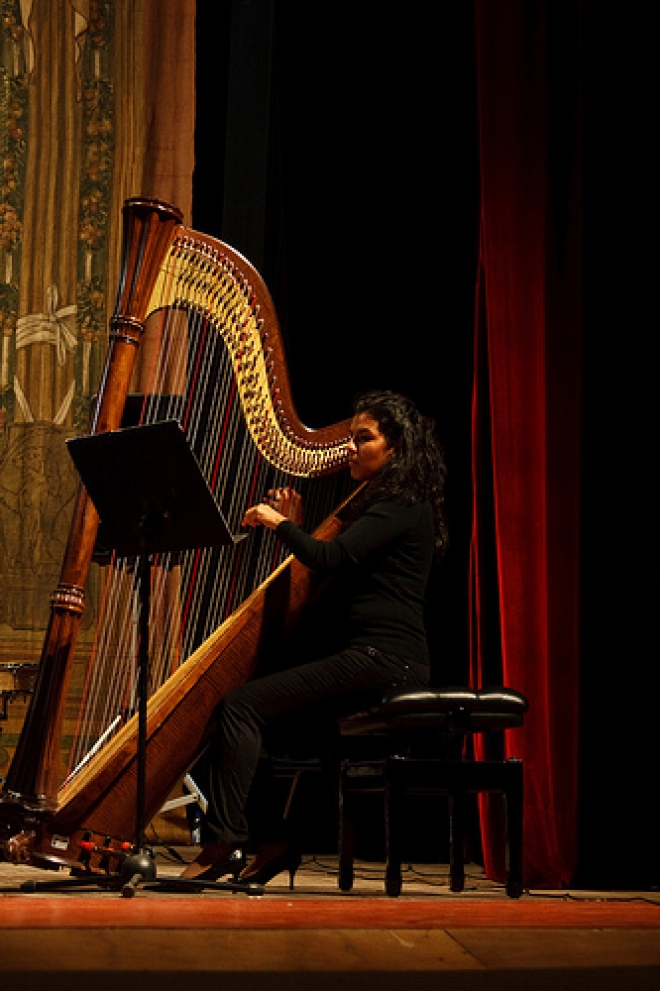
<point>34,776</point>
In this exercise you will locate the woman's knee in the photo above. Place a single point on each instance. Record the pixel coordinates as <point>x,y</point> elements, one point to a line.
<point>236,710</point>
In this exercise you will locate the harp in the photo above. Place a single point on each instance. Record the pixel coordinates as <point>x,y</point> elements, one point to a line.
<point>212,358</point>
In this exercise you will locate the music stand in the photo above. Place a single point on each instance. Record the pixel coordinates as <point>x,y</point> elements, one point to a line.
<point>152,498</point>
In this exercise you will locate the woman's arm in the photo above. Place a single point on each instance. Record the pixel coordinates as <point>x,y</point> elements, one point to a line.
<point>378,526</point>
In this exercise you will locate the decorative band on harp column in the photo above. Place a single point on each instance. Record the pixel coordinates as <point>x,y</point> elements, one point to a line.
<point>69,598</point>
<point>120,327</point>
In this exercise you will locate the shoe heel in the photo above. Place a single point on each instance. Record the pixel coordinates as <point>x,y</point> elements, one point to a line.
<point>292,868</point>
<point>283,860</point>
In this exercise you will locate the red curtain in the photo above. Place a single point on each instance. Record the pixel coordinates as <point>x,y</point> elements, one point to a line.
<point>526,412</point>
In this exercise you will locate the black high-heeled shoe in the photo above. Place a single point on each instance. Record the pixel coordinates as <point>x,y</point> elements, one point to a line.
<point>270,860</point>
<point>214,861</point>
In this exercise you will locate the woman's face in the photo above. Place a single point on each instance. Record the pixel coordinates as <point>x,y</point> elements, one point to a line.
<point>368,449</point>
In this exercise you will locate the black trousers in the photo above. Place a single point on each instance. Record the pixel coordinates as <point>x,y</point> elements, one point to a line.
<point>337,684</point>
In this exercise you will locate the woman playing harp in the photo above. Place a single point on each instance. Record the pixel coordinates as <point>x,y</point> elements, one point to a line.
<point>383,558</point>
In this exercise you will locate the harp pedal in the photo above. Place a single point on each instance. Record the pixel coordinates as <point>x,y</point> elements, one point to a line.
<point>109,858</point>
<point>107,853</point>
<point>86,849</point>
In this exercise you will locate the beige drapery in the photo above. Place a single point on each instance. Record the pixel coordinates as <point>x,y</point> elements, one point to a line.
<point>96,105</point>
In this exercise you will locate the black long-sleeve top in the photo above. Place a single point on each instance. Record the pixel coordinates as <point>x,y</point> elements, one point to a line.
<point>384,559</point>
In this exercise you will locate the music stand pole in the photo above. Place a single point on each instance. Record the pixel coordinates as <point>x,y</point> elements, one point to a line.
<point>143,690</point>
<point>140,865</point>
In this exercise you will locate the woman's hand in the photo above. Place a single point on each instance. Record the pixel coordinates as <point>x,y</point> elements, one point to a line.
<point>288,502</point>
<point>263,515</point>
<point>279,504</point>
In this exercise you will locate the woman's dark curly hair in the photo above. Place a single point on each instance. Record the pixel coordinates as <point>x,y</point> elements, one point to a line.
<point>417,469</point>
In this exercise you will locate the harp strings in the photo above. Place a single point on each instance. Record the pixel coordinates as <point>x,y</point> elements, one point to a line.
<point>204,360</point>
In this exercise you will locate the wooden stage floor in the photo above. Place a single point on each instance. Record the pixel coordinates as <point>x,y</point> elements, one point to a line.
<point>320,938</point>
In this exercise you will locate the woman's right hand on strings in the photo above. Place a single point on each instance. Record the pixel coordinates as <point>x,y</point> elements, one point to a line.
<point>278,505</point>
<point>288,502</point>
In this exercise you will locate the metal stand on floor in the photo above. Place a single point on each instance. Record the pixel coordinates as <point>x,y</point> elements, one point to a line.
<point>152,499</point>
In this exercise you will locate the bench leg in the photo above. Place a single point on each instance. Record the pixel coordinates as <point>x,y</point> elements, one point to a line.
<point>514,829</point>
<point>456,839</point>
<point>346,833</point>
<point>393,830</point>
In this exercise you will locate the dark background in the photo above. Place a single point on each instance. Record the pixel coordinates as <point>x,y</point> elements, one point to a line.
<point>336,147</point>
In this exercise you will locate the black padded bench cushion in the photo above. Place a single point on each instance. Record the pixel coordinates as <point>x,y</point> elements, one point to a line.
<point>454,709</point>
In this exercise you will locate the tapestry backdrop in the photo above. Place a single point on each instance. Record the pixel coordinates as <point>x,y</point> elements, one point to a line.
<point>96,105</point>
